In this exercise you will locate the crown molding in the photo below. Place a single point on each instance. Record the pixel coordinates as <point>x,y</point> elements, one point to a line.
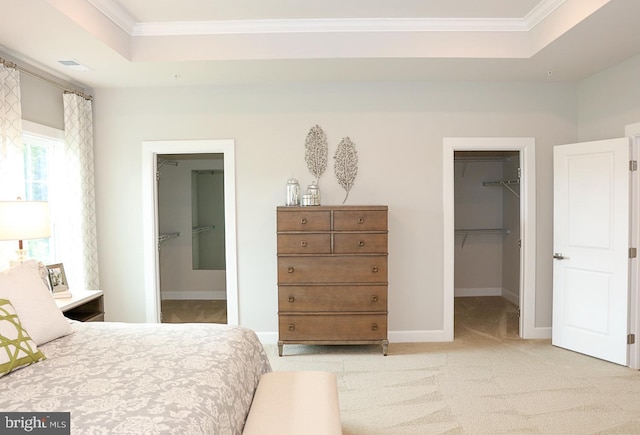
<point>326,25</point>
<point>116,14</point>
<point>358,25</point>
<point>541,11</point>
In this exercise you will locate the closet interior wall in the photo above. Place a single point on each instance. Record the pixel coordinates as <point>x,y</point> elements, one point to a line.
<point>487,223</point>
<point>177,223</point>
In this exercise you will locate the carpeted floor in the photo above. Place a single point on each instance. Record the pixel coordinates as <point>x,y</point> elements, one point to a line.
<point>194,311</point>
<point>487,381</point>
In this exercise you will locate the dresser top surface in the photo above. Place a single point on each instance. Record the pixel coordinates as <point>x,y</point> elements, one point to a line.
<point>335,207</point>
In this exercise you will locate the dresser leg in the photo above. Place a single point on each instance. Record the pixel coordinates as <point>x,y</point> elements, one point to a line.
<point>280,347</point>
<point>385,347</point>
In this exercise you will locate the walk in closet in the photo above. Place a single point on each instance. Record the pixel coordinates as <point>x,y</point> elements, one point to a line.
<point>487,224</point>
<point>191,239</point>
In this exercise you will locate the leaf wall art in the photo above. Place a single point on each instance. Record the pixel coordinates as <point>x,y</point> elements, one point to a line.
<point>346,164</point>
<point>316,152</point>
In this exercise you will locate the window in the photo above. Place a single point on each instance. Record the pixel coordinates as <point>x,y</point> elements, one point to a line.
<point>39,144</point>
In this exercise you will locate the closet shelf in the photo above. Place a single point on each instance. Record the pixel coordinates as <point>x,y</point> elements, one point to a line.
<point>505,183</point>
<point>465,232</point>
<point>197,230</point>
<point>474,159</point>
<point>166,236</point>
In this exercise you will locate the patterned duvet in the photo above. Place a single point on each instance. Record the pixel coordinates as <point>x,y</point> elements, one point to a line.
<point>118,378</point>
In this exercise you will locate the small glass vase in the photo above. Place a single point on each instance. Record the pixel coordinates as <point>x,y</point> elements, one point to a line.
<point>293,193</point>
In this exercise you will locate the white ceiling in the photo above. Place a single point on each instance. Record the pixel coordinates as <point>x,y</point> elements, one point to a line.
<point>131,43</point>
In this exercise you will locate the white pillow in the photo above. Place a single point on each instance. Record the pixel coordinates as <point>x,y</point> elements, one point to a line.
<point>33,302</point>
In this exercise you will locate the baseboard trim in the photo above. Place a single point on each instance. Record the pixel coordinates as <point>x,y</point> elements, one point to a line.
<point>267,337</point>
<point>435,336</point>
<point>539,333</point>
<point>480,291</point>
<point>511,297</point>
<point>197,296</point>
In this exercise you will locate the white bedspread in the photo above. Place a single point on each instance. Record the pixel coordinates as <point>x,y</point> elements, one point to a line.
<point>119,378</point>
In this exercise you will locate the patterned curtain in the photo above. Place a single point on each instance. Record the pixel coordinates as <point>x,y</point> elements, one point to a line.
<point>78,213</point>
<point>11,152</point>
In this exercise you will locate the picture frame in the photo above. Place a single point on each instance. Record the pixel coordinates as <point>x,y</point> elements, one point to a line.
<point>57,278</point>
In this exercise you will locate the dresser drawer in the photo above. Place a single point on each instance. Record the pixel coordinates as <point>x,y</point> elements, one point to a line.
<point>296,298</point>
<point>359,243</point>
<point>304,243</point>
<point>332,327</point>
<point>359,220</point>
<point>304,220</point>
<point>334,269</point>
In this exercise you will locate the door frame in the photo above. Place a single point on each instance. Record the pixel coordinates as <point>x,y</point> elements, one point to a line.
<point>150,151</point>
<point>526,148</point>
<point>632,131</point>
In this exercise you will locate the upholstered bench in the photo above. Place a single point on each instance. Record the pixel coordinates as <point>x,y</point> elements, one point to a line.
<point>295,403</point>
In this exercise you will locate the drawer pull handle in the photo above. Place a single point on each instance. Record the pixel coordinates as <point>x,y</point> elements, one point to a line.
<point>374,269</point>
<point>374,298</point>
<point>374,326</point>
<point>360,220</point>
<point>303,221</point>
<point>303,243</point>
<point>292,299</point>
<point>361,243</point>
<point>290,269</point>
<point>292,327</point>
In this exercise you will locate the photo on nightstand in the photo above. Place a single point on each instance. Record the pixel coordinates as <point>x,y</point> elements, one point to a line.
<point>58,279</point>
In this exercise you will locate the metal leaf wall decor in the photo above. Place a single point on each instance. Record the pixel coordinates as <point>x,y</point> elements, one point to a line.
<point>316,152</point>
<point>346,165</point>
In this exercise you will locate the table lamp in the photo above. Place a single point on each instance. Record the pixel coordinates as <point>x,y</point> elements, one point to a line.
<point>24,220</point>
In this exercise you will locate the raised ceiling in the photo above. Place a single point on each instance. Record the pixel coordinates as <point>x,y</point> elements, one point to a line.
<point>132,43</point>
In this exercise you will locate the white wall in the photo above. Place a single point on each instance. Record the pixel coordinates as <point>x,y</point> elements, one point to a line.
<point>608,101</point>
<point>397,130</point>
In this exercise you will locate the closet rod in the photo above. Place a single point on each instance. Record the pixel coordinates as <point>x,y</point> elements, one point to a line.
<point>202,229</point>
<point>166,236</point>
<point>480,231</point>
<point>481,159</point>
<point>505,183</point>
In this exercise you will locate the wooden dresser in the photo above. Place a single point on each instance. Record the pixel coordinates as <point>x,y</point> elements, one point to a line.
<point>332,275</point>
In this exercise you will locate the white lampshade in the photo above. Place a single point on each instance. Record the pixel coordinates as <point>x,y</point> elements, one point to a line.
<point>24,220</point>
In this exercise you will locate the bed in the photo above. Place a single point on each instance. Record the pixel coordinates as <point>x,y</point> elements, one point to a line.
<point>136,378</point>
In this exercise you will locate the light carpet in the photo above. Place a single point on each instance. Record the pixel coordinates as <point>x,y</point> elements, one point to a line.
<point>194,311</point>
<point>487,381</point>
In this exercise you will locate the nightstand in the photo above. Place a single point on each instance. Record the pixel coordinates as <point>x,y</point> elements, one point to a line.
<point>83,305</point>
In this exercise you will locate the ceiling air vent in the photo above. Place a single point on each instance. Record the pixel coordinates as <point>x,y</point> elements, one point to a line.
<point>73,64</point>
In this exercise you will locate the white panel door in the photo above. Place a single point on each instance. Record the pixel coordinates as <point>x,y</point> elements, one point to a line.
<point>591,245</point>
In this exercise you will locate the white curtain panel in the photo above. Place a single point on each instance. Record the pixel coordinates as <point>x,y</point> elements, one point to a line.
<point>11,160</point>
<point>77,215</point>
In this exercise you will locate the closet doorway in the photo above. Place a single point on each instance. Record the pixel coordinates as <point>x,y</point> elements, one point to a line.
<point>172,153</point>
<point>521,152</point>
<point>487,243</point>
<point>191,238</point>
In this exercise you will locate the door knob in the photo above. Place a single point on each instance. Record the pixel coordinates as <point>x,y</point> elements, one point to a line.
<point>559,256</point>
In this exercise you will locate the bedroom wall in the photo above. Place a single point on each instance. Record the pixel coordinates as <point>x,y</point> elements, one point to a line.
<point>609,101</point>
<point>398,131</point>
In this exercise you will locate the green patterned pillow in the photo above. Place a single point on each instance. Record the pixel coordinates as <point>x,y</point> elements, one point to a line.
<point>17,349</point>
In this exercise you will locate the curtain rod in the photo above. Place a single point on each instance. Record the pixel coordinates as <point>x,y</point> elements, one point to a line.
<point>10,64</point>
